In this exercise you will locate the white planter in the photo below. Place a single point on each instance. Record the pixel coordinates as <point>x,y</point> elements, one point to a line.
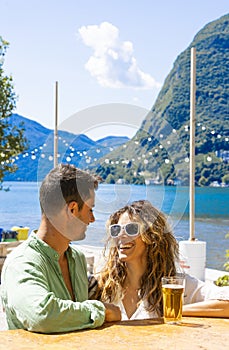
<point>193,258</point>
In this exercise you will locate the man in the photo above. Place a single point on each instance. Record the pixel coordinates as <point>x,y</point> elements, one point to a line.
<point>44,280</point>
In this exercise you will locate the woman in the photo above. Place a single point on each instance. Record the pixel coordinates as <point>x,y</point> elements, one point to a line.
<point>141,250</point>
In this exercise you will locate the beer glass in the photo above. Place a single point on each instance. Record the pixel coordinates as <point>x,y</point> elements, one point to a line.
<point>172,291</point>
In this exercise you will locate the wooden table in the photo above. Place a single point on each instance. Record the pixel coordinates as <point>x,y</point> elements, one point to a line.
<point>193,333</point>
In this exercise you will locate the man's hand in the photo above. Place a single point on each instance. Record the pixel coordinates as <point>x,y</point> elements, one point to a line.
<point>113,313</point>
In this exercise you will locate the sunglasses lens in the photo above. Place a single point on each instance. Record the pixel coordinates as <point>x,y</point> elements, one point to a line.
<point>115,230</point>
<point>132,229</point>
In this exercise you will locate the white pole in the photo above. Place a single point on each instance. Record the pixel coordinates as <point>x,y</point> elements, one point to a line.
<point>56,127</point>
<point>193,252</point>
<point>192,146</point>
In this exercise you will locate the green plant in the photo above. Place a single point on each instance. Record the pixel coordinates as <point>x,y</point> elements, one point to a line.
<point>226,265</point>
<point>222,281</point>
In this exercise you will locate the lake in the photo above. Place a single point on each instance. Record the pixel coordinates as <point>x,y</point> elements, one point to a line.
<point>20,207</point>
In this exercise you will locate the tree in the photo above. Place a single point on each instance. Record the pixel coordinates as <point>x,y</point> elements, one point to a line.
<point>12,140</point>
<point>225,179</point>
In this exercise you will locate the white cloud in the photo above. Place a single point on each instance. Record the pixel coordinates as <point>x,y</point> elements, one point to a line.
<point>113,63</point>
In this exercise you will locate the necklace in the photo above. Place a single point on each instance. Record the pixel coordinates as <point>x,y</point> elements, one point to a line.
<point>130,290</point>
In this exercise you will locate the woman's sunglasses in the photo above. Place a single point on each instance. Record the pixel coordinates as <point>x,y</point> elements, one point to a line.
<point>132,229</point>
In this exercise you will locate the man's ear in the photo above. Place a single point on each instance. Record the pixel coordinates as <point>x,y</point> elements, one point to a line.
<point>73,207</point>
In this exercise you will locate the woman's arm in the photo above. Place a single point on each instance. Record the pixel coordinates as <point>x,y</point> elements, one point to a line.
<point>208,308</point>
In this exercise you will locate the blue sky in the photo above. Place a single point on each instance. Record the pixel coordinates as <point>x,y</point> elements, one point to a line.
<point>101,53</point>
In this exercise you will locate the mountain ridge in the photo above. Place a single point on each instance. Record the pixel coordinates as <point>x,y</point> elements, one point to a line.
<point>159,152</point>
<point>37,160</point>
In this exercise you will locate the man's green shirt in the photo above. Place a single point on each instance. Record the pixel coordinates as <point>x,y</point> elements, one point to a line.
<point>34,294</point>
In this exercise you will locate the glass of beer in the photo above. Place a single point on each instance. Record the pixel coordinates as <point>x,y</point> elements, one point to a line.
<point>172,291</point>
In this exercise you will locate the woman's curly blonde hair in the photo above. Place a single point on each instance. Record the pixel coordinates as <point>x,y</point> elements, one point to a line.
<point>162,254</point>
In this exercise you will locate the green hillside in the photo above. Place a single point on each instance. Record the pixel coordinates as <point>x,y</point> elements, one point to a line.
<point>159,152</point>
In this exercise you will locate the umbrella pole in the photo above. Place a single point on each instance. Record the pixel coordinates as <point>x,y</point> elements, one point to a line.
<point>192,146</point>
<point>192,251</point>
<point>56,127</point>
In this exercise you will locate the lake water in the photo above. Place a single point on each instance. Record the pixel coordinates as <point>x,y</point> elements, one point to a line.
<point>20,207</point>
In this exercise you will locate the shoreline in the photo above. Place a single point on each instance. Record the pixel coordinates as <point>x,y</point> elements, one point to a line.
<point>211,214</point>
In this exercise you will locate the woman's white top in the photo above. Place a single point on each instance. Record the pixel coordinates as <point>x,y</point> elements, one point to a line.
<point>195,291</point>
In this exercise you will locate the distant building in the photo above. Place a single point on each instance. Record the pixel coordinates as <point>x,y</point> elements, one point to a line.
<point>120,181</point>
<point>149,182</point>
<point>223,154</point>
<point>214,184</point>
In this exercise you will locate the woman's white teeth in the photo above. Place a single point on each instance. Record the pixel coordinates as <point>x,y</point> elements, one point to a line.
<point>126,246</point>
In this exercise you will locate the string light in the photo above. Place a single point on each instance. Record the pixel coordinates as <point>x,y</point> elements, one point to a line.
<point>70,151</point>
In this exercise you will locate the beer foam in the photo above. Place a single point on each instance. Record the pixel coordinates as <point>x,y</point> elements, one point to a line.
<point>172,286</point>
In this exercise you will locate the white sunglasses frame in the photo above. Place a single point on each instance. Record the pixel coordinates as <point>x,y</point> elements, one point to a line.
<point>123,227</point>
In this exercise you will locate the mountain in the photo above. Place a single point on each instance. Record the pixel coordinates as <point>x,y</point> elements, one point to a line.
<point>112,141</point>
<point>159,151</point>
<point>38,159</point>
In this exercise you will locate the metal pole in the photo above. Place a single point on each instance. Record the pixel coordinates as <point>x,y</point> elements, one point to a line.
<point>192,146</point>
<point>56,127</point>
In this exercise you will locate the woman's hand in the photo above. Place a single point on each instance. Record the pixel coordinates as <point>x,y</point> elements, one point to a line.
<point>112,313</point>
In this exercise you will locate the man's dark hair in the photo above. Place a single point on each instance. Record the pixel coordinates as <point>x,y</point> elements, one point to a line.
<point>64,184</point>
